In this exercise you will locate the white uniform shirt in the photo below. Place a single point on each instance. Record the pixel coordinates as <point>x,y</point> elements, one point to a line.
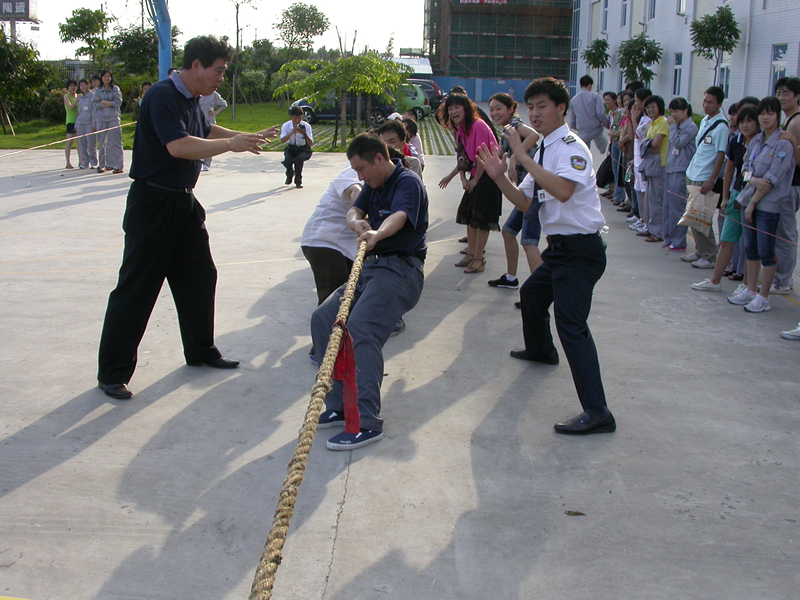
<point>297,139</point>
<point>327,227</point>
<point>567,156</point>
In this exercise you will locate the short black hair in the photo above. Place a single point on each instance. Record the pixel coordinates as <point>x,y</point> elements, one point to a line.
<point>551,87</point>
<point>680,103</point>
<point>717,92</point>
<point>752,100</point>
<point>393,126</point>
<point>643,93</point>
<point>748,113</point>
<point>769,104</point>
<point>457,89</point>
<point>144,83</point>
<point>633,86</point>
<point>790,83</point>
<point>71,81</point>
<point>95,78</point>
<point>206,49</point>
<point>586,80</point>
<point>367,146</point>
<point>612,94</point>
<point>411,127</point>
<point>658,101</point>
<point>733,109</point>
<point>295,111</point>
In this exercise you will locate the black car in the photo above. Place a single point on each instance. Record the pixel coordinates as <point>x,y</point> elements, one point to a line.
<point>434,93</point>
<point>329,110</point>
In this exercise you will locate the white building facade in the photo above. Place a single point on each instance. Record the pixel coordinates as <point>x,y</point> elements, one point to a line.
<point>769,45</point>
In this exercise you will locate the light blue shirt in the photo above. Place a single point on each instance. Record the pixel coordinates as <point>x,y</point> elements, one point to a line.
<point>708,145</point>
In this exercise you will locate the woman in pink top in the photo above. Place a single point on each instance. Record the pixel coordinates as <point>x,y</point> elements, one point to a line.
<point>482,201</point>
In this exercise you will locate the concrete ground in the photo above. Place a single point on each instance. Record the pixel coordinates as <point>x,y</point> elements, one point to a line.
<point>170,495</point>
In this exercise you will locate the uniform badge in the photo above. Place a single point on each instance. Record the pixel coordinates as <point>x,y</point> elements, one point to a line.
<point>568,139</point>
<point>578,163</point>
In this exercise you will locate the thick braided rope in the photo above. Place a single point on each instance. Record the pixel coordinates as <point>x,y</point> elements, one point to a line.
<point>264,578</point>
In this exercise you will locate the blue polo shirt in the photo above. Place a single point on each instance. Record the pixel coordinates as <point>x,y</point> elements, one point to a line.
<point>168,112</point>
<point>402,191</point>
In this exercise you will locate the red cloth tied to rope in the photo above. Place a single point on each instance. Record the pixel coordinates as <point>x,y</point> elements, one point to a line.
<point>345,371</point>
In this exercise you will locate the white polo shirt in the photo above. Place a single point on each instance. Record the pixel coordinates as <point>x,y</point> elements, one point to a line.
<point>567,156</point>
<point>297,139</point>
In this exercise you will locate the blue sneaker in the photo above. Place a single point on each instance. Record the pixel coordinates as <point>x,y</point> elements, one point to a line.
<point>398,327</point>
<point>330,418</point>
<point>351,441</point>
<point>312,356</point>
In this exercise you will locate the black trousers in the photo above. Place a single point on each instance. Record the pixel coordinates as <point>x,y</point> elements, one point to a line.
<point>571,268</point>
<point>293,159</point>
<point>331,269</point>
<point>165,238</point>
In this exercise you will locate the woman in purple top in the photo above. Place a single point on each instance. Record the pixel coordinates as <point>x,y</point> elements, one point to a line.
<point>481,204</point>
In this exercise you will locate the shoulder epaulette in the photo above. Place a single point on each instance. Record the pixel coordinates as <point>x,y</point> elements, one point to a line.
<point>569,138</point>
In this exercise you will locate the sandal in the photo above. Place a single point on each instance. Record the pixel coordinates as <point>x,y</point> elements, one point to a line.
<point>470,269</point>
<point>736,277</point>
<point>462,240</point>
<point>468,258</point>
<point>727,273</point>
<point>465,250</point>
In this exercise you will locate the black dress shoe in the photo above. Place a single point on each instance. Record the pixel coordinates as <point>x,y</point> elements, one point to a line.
<point>118,391</point>
<point>550,359</point>
<point>585,424</point>
<point>518,305</point>
<point>220,363</point>
<point>289,179</point>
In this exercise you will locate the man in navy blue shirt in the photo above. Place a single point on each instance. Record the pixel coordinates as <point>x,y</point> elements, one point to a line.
<point>391,215</point>
<point>165,233</point>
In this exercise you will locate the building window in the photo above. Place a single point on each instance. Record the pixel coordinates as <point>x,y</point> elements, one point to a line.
<point>681,7</point>
<point>602,83</point>
<point>604,26</point>
<point>573,62</point>
<point>651,13</point>
<point>624,19</point>
<point>725,79</point>
<point>778,64</point>
<point>676,74</point>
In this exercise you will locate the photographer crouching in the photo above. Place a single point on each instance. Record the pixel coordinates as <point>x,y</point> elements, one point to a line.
<point>298,150</point>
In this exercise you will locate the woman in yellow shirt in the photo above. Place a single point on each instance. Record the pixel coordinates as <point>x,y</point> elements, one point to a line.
<point>658,132</point>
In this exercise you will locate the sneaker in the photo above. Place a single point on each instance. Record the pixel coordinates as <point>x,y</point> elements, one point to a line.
<point>641,227</point>
<point>330,418</point>
<point>707,286</point>
<point>312,356</point>
<point>398,327</point>
<point>351,441</point>
<point>793,334</point>
<point>689,257</point>
<point>677,248</point>
<point>780,289</point>
<point>703,263</point>
<point>634,226</point>
<point>205,168</point>
<point>739,289</point>
<point>504,282</point>
<point>741,297</point>
<point>758,304</point>
<point>632,219</point>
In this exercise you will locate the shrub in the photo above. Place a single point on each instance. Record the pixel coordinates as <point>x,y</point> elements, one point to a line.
<point>52,107</point>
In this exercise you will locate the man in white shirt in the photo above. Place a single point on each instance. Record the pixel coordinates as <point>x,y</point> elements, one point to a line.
<point>561,177</point>
<point>298,150</point>
<point>587,115</point>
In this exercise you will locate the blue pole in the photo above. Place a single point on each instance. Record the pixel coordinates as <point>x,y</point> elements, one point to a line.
<point>160,14</point>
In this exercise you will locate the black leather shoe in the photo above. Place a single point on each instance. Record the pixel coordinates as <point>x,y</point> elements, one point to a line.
<point>550,359</point>
<point>220,363</point>
<point>518,305</point>
<point>119,391</point>
<point>585,424</point>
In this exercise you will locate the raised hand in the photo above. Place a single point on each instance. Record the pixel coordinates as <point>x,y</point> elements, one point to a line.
<point>493,161</point>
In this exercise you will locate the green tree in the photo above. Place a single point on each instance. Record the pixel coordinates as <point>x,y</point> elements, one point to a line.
<point>136,49</point>
<point>712,35</point>
<point>300,24</point>
<point>23,80</point>
<point>89,27</point>
<point>636,55</point>
<point>596,54</point>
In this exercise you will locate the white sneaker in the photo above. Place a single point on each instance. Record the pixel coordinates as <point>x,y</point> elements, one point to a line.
<point>793,334</point>
<point>689,257</point>
<point>703,263</point>
<point>742,297</point>
<point>641,226</point>
<point>739,289</point>
<point>780,289</point>
<point>634,226</point>
<point>632,219</point>
<point>758,304</point>
<point>707,286</point>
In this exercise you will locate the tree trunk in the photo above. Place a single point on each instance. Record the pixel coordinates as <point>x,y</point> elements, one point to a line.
<point>343,117</point>
<point>358,111</point>
<point>369,110</point>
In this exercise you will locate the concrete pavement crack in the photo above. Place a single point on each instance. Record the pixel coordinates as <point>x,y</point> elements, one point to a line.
<point>336,525</point>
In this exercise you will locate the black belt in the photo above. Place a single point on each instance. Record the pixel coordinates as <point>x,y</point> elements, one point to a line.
<point>371,257</point>
<point>563,238</point>
<point>164,187</point>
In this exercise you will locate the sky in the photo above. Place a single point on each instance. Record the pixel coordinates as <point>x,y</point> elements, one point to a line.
<point>349,16</point>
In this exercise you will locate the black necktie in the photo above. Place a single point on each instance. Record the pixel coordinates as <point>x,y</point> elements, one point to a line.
<point>536,186</point>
